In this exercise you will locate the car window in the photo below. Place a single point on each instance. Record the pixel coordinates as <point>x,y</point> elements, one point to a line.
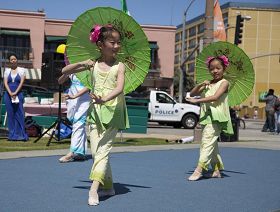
<point>162,98</point>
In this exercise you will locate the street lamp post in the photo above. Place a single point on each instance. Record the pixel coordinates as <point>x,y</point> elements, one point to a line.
<point>183,53</point>
<point>208,29</point>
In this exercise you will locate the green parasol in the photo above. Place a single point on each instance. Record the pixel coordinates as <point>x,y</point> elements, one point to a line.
<point>135,51</point>
<point>240,72</point>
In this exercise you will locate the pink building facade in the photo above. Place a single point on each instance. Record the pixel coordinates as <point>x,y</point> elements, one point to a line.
<point>29,34</point>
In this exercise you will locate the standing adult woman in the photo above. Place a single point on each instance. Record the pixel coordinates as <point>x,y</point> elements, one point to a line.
<point>13,80</point>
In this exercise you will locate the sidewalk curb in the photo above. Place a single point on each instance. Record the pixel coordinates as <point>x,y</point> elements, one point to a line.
<point>269,145</point>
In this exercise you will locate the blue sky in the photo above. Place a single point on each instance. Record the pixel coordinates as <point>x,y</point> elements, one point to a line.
<point>159,12</point>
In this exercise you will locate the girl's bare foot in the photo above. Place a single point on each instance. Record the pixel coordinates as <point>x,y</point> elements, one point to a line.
<point>67,158</point>
<point>196,175</point>
<point>93,198</point>
<point>216,174</point>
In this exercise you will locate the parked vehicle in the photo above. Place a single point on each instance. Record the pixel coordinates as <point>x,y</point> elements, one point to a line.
<point>166,111</point>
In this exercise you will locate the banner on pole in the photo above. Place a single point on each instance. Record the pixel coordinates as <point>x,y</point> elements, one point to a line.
<point>124,7</point>
<point>219,27</point>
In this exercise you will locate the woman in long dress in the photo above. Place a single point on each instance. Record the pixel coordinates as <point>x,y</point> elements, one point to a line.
<point>13,81</point>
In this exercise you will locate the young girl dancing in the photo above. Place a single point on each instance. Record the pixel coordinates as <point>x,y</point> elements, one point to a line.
<point>107,113</point>
<point>214,116</point>
<point>78,101</point>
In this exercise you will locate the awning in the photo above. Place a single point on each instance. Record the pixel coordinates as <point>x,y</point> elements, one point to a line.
<point>56,38</point>
<point>14,32</point>
<point>31,73</point>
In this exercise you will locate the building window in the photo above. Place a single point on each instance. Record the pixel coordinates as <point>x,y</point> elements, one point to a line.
<point>192,31</point>
<point>154,56</point>
<point>192,57</point>
<point>177,58</point>
<point>225,18</point>
<point>192,43</point>
<point>177,48</point>
<point>178,37</point>
<point>201,28</point>
<point>15,41</point>
<point>191,67</point>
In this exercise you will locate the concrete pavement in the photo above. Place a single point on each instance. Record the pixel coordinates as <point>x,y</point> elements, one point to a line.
<point>251,137</point>
<point>147,180</point>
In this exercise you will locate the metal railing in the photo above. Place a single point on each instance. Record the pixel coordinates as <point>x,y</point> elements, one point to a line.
<point>22,53</point>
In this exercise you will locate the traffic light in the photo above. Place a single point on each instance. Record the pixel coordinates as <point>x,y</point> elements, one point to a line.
<point>238,30</point>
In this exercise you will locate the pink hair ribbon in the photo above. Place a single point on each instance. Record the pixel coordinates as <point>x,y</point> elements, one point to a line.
<point>94,35</point>
<point>222,58</point>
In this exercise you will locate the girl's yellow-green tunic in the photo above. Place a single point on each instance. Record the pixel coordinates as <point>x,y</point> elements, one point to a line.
<point>112,113</point>
<point>105,120</point>
<point>217,111</point>
<point>214,118</point>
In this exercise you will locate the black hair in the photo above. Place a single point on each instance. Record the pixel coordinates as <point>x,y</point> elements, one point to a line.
<point>219,59</point>
<point>106,31</point>
<point>270,92</point>
<point>12,54</point>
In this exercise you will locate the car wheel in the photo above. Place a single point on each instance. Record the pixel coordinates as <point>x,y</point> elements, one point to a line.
<point>189,121</point>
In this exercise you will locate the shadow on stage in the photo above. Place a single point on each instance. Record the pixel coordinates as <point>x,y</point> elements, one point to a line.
<point>224,173</point>
<point>119,188</point>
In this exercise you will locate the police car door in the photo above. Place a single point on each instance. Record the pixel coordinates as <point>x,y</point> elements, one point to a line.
<point>165,108</point>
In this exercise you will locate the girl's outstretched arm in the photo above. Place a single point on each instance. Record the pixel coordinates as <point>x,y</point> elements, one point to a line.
<point>62,78</point>
<point>78,67</point>
<point>118,90</point>
<point>221,90</point>
<point>80,93</point>
<point>197,90</point>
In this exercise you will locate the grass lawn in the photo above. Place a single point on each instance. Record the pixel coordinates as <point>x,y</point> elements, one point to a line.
<point>9,146</point>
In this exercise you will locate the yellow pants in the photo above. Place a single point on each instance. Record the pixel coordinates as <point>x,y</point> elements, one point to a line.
<point>209,151</point>
<point>101,144</point>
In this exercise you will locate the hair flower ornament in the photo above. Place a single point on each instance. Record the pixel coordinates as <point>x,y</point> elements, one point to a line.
<point>94,33</point>
<point>223,58</point>
<point>208,60</point>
